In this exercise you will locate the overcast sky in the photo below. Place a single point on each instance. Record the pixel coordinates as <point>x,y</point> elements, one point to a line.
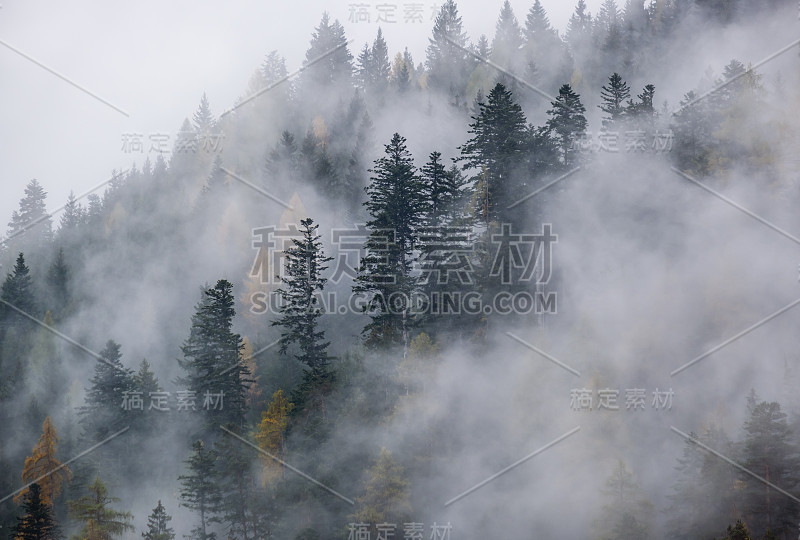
<point>153,60</point>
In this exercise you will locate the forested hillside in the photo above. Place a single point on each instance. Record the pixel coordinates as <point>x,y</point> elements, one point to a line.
<point>539,284</point>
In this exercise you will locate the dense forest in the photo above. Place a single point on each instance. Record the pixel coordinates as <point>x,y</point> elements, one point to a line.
<point>511,290</point>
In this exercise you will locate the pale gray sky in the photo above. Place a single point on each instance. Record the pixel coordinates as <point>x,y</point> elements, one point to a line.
<point>154,60</point>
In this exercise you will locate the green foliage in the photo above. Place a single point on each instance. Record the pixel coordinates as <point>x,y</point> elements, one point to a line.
<point>158,525</point>
<point>37,522</point>
<point>101,521</point>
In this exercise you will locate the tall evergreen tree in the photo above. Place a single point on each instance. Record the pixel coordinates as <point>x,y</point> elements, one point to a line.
<point>212,358</point>
<point>58,281</point>
<point>101,521</point>
<point>496,150</point>
<point>158,525</point>
<point>447,63</point>
<point>612,97</point>
<point>38,522</point>
<point>567,123</point>
<point>31,227</point>
<point>770,453</point>
<point>200,490</point>
<point>579,28</point>
<point>332,66</point>
<point>395,207</point>
<point>300,311</point>
<point>507,39</point>
<point>203,119</point>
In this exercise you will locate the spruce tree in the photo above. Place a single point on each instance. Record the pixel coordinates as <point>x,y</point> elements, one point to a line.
<point>17,290</point>
<point>300,310</point>
<point>158,525</point>
<point>38,522</point>
<point>567,123</point>
<point>203,119</point>
<point>447,63</point>
<point>770,453</point>
<point>31,227</point>
<point>395,206</point>
<point>212,359</point>
<point>507,39</point>
<point>200,490</point>
<point>612,99</point>
<point>496,151</point>
<point>58,281</point>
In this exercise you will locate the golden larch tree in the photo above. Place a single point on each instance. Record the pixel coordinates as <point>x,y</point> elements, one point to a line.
<point>43,468</point>
<point>270,435</point>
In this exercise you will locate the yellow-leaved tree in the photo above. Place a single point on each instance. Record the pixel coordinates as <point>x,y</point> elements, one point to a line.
<point>386,497</point>
<point>270,436</point>
<point>43,468</point>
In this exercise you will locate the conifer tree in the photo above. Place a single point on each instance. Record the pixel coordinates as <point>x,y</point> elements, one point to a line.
<point>447,63</point>
<point>199,489</point>
<point>58,280</point>
<point>212,358</point>
<point>101,521</point>
<point>567,123</point>
<point>102,413</point>
<point>31,227</point>
<point>43,467</point>
<point>271,434</point>
<point>770,453</point>
<point>300,311</point>
<point>613,98</point>
<point>17,290</point>
<point>507,39</point>
<point>386,494</point>
<point>203,119</point>
<point>158,525</point>
<point>38,522</point>
<point>496,150</point>
<point>395,206</point>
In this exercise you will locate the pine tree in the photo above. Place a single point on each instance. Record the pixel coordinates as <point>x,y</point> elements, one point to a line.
<point>627,512</point>
<point>332,66</point>
<point>236,486</point>
<point>212,358</point>
<point>157,525</point>
<point>567,123</point>
<point>58,280</point>
<point>101,521</point>
<point>613,98</point>
<point>507,39</point>
<point>200,491</point>
<point>395,206</point>
<point>579,28</point>
<point>496,148</point>
<point>203,120</point>
<point>102,413</point>
<point>38,522</point>
<point>72,216</point>
<point>738,531</point>
<point>643,112</point>
<point>447,63</point>
<point>379,64</point>
<point>31,226</point>
<point>770,453</point>
<point>364,67</point>
<point>300,312</point>
<point>17,290</point>
<point>43,467</point>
